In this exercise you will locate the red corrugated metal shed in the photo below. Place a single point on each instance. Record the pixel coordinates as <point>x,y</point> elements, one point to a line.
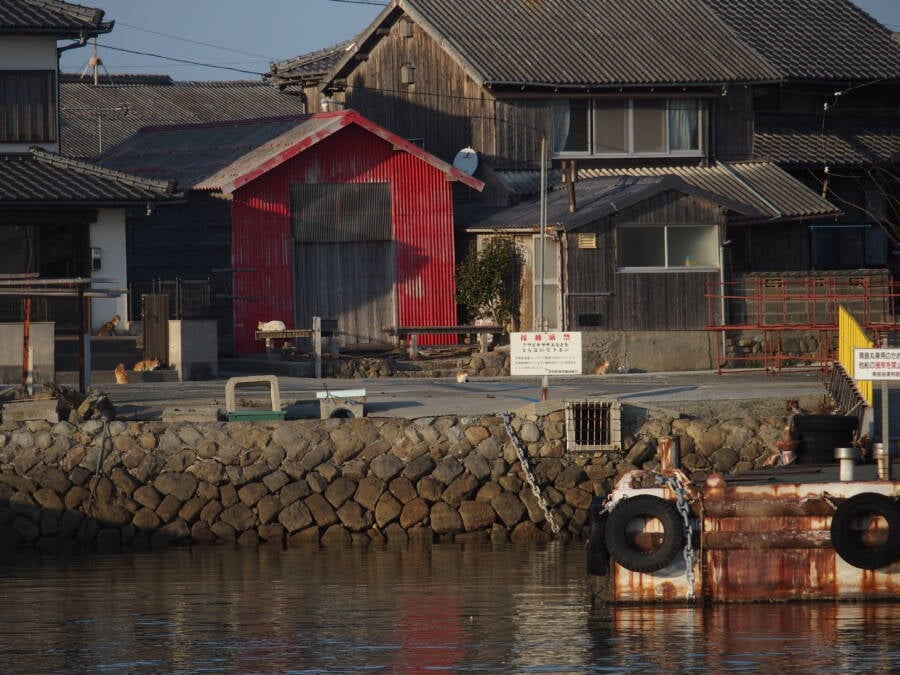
<point>257,162</point>
<point>351,150</point>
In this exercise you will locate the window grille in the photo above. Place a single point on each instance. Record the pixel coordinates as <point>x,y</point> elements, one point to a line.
<point>593,424</point>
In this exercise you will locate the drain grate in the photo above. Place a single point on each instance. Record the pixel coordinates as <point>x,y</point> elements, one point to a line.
<point>593,424</point>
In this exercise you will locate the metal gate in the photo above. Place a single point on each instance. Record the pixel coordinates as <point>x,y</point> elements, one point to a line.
<point>155,321</point>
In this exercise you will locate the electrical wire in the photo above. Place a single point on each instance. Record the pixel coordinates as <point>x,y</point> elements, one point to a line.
<point>194,42</point>
<point>187,61</point>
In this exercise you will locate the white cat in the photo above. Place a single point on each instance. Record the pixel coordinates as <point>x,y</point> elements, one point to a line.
<point>270,326</point>
<point>462,377</point>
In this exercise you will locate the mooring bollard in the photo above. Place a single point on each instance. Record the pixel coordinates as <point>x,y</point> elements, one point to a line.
<point>847,458</point>
<point>882,468</point>
<point>669,452</point>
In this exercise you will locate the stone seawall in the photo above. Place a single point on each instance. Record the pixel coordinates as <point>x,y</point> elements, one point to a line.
<point>370,480</point>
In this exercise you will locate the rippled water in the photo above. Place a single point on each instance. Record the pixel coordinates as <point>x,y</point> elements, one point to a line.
<point>441,608</point>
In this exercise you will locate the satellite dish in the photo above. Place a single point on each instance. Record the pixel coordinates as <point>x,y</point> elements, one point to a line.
<point>466,160</point>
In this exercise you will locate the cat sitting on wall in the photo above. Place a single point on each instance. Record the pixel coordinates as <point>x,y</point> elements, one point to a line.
<point>270,326</point>
<point>110,326</point>
<point>121,375</point>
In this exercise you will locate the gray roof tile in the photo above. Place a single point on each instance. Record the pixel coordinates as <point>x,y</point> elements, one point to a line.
<point>813,39</point>
<point>830,143</point>
<point>51,17</point>
<point>94,119</point>
<point>41,178</point>
<point>603,43</point>
<point>771,191</point>
<point>307,68</point>
<point>596,198</point>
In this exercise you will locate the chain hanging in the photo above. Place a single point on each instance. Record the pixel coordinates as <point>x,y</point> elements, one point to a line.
<point>681,503</point>
<point>520,453</point>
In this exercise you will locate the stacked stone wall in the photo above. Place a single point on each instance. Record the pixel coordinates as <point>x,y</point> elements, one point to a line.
<point>369,480</point>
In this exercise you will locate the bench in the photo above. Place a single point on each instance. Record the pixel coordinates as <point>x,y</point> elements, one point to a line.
<point>413,332</point>
<point>322,328</point>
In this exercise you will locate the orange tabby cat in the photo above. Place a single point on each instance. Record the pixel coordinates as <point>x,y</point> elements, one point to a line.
<point>109,326</point>
<point>121,375</point>
<point>148,364</point>
<point>602,368</point>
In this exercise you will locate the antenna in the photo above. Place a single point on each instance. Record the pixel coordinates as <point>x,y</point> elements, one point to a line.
<point>95,63</point>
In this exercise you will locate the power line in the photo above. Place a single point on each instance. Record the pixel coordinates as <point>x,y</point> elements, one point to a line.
<point>360,2</point>
<point>188,61</point>
<point>194,42</point>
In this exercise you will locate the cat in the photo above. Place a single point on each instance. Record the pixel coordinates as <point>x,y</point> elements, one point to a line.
<point>270,326</point>
<point>149,364</point>
<point>121,375</point>
<point>602,368</point>
<point>110,326</point>
<point>462,377</point>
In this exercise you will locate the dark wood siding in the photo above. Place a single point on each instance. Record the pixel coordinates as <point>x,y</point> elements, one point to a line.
<point>444,108</point>
<point>733,124</point>
<point>776,247</point>
<point>601,297</point>
<point>352,282</point>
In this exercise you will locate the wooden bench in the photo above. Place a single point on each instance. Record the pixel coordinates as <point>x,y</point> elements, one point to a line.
<point>413,332</point>
<point>322,328</point>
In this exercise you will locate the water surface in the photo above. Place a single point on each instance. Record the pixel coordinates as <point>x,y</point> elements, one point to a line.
<point>412,609</point>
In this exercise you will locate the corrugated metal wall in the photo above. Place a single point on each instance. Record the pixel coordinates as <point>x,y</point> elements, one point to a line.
<point>422,211</point>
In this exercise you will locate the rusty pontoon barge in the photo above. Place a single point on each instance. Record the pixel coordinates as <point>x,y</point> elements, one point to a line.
<point>789,533</point>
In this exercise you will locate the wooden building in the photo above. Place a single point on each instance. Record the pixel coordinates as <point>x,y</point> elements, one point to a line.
<point>732,96</point>
<point>59,217</point>
<point>329,215</point>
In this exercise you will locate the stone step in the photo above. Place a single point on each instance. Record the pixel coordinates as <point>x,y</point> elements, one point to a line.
<point>107,376</point>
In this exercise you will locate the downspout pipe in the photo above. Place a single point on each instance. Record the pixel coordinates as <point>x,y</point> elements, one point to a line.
<point>776,215</point>
<point>82,41</point>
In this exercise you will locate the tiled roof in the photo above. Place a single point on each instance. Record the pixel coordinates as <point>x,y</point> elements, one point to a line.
<point>583,43</point>
<point>41,178</point>
<point>596,198</point>
<point>828,143</point>
<point>96,118</point>
<point>604,43</point>
<point>813,39</point>
<point>307,68</point>
<point>51,18</point>
<point>223,156</point>
<point>769,190</point>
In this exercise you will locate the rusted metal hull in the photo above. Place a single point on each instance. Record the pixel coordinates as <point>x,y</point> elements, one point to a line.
<point>760,542</point>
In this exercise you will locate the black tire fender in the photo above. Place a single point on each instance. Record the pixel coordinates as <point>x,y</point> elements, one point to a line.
<point>620,545</point>
<point>846,539</point>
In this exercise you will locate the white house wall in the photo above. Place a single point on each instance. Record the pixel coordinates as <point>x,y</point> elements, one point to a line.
<point>28,53</point>
<point>108,234</point>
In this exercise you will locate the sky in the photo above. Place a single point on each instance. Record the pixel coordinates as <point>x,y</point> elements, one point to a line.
<point>241,37</point>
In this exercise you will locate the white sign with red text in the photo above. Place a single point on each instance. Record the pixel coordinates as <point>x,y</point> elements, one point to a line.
<point>545,353</point>
<point>876,363</point>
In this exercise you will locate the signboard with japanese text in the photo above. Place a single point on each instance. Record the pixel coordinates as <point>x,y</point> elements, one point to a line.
<point>876,363</point>
<point>545,353</point>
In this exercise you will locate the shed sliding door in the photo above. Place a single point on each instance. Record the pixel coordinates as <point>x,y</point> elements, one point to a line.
<point>344,260</point>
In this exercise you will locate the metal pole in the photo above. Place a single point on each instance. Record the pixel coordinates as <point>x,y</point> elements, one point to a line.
<point>543,217</point>
<point>26,338</point>
<point>885,426</point>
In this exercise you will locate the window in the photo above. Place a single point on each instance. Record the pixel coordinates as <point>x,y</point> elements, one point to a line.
<point>27,106</point>
<point>550,286</point>
<point>667,246</point>
<point>647,127</point>
<point>845,247</point>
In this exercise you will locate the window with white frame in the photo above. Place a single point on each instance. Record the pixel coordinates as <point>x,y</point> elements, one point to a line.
<point>628,127</point>
<point>546,283</point>
<point>641,247</point>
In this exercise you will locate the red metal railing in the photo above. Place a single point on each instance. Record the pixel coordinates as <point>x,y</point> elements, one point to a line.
<point>776,321</point>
